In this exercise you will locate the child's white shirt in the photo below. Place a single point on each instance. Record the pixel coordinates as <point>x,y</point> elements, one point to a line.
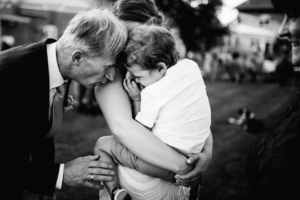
<point>177,107</point>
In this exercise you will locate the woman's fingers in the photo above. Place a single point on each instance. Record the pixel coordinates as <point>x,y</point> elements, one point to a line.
<point>194,176</point>
<point>192,159</point>
<point>187,184</point>
<point>190,177</point>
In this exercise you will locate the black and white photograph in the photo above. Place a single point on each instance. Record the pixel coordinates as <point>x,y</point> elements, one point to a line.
<point>150,99</point>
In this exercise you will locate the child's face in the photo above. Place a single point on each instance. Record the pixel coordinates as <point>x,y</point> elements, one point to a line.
<point>144,77</point>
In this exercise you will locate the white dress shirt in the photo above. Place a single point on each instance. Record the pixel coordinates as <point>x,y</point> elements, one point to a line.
<point>56,80</point>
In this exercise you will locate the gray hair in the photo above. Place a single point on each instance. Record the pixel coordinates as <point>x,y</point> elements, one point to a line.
<point>97,32</point>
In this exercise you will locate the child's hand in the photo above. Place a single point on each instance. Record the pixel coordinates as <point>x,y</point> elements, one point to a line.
<point>132,89</point>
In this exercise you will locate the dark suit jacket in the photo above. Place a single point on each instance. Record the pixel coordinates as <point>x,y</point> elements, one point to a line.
<point>24,104</point>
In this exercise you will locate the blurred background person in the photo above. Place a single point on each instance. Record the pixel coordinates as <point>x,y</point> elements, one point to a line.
<point>234,68</point>
<point>273,163</point>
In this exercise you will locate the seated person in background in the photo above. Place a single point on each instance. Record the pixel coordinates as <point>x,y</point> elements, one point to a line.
<point>169,98</point>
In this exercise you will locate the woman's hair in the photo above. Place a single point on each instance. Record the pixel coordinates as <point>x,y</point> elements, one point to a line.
<point>97,32</point>
<point>138,11</point>
<point>148,45</point>
<point>286,6</point>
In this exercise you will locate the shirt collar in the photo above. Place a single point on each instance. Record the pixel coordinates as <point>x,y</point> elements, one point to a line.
<point>55,77</point>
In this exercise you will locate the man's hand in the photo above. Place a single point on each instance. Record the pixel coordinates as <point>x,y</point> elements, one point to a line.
<point>201,162</point>
<point>78,172</point>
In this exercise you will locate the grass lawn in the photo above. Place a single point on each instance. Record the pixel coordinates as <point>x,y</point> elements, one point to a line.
<point>226,177</point>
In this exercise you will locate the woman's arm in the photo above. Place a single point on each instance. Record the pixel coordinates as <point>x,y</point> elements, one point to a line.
<point>201,160</point>
<point>116,109</point>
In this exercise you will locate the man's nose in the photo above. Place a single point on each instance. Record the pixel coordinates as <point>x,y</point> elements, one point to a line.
<point>110,75</point>
<point>283,31</point>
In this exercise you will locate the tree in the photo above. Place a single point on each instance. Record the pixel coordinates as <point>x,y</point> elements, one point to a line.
<point>199,26</point>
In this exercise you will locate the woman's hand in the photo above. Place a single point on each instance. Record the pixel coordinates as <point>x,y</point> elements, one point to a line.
<point>201,161</point>
<point>132,89</point>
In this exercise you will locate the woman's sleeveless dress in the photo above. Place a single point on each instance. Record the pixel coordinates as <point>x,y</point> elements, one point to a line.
<point>141,186</point>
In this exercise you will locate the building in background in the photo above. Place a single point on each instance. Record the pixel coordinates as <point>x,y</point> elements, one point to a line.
<point>256,28</point>
<point>33,20</point>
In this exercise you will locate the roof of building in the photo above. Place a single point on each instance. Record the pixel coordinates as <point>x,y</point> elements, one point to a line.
<point>257,6</point>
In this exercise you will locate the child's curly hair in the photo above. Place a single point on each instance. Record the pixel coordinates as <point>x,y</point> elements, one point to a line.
<point>148,45</point>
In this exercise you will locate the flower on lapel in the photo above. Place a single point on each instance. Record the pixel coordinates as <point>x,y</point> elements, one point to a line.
<point>69,103</point>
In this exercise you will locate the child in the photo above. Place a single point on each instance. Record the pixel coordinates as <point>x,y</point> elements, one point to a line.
<point>169,98</point>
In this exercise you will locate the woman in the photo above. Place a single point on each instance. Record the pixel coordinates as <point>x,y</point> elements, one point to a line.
<point>273,163</point>
<point>116,109</point>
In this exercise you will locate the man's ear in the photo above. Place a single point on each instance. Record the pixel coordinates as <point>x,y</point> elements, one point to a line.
<point>162,68</point>
<point>76,57</point>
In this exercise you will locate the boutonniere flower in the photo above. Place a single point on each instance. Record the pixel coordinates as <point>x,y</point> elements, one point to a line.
<point>69,103</point>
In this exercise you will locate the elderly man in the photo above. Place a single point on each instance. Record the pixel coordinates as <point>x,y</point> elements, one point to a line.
<point>34,81</point>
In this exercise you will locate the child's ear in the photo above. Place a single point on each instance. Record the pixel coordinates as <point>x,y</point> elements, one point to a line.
<point>161,67</point>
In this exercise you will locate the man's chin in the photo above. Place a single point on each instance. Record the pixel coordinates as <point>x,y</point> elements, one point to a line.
<point>92,86</point>
<point>97,85</point>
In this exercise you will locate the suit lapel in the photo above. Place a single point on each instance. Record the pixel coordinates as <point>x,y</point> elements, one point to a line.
<point>42,70</point>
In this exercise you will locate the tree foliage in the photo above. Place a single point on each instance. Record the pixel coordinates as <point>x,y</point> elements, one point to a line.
<point>199,26</point>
